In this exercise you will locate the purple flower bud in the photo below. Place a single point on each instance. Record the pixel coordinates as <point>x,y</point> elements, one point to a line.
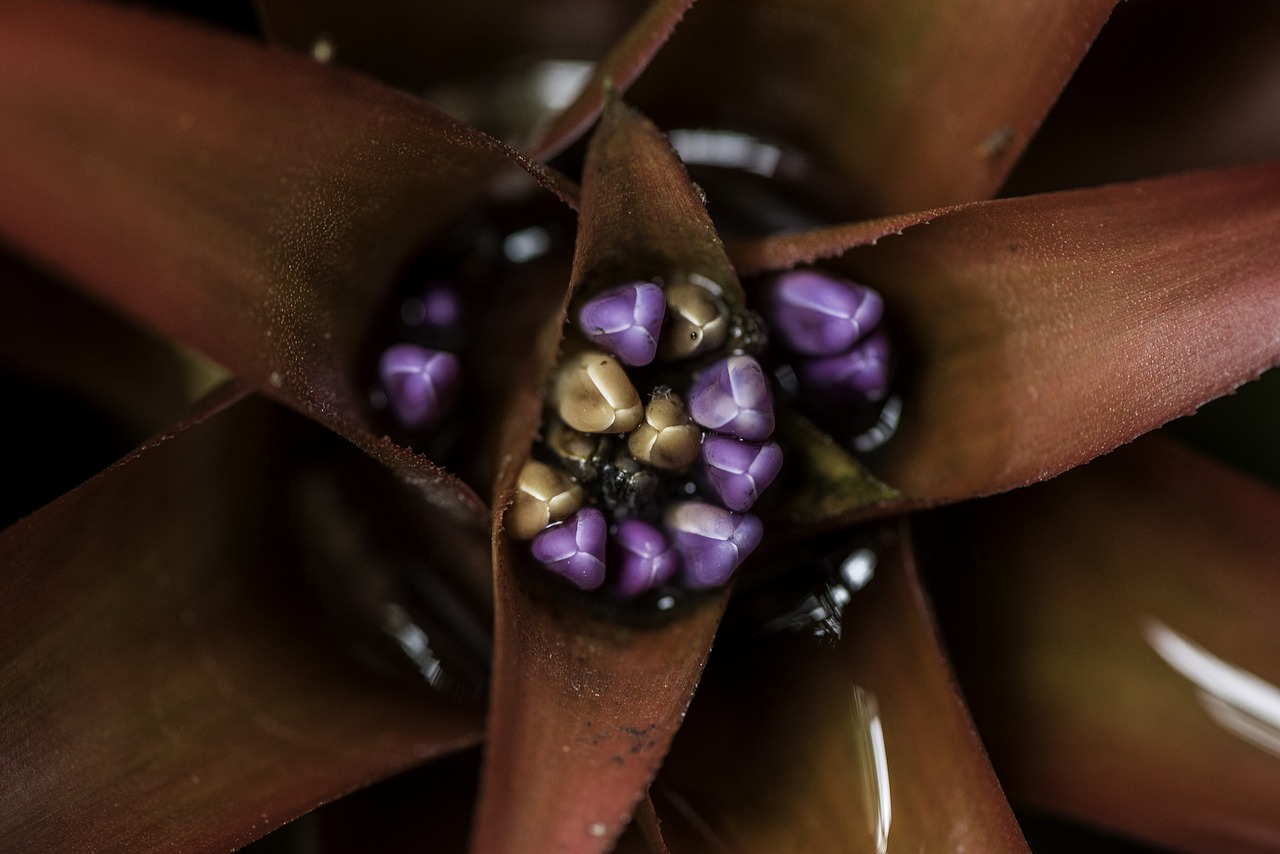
<point>645,559</point>
<point>733,396</point>
<point>739,471</point>
<point>421,384</point>
<point>849,379</point>
<point>820,315</point>
<point>574,549</point>
<point>712,541</point>
<point>625,321</point>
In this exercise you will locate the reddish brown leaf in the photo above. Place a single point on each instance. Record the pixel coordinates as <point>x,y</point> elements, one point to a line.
<point>585,705</point>
<point>619,69</point>
<point>583,710</point>
<point>248,203</point>
<point>916,104</point>
<point>784,250</point>
<point>159,670</point>
<point>1039,333</point>
<point>798,745</point>
<point>1119,629</point>
<point>641,215</point>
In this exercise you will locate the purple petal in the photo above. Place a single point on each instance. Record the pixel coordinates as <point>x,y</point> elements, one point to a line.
<point>849,379</point>
<point>820,315</point>
<point>626,321</point>
<point>733,396</point>
<point>421,384</point>
<point>645,558</point>
<point>739,471</point>
<point>712,541</point>
<point>575,548</point>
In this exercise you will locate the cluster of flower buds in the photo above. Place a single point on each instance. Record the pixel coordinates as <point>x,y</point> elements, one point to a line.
<point>829,328</point>
<point>421,380</point>
<point>635,491</point>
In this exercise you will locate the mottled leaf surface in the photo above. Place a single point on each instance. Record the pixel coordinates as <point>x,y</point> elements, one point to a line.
<point>160,668</point>
<point>1038,333</point>
<point>1117,631</point>
<point>248,203</point>
<point>800,744</point>
<point>916,104</point>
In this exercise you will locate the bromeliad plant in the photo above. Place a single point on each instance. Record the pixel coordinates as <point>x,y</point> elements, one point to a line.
<point>609,403</point>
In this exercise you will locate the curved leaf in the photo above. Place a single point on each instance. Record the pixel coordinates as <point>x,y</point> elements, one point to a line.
<point>801,744</point>
<point>1039,333</point>
<point>158,669</point>
<point>1119,628</point>
<point>618,69</point>
<point>784,250</point>
<point>582,712</point>
<point>250,204</point>
<point>915,104</point>
<point>641,216</point>
<point>584,705</point>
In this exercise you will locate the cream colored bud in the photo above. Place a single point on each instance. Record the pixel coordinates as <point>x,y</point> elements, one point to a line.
<point>593,394</point>
<point>667,438</point>
<point>696,322</point>
<point>543,495</point>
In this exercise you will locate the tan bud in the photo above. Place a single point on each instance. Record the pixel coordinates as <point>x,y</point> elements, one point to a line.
<point>592,393</point>
<point>667,438</point>
<point>696,322</point>
<point>578,451</point>
<point>543,495</point>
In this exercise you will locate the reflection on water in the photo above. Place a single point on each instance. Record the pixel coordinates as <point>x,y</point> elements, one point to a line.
<point>1241,703</point>
<point>822,612</point>
<point>727,149</point>
<point>869,752</point>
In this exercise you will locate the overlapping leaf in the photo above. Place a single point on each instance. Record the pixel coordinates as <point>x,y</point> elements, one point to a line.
<point>797,744</point>
<point>1038,333</point>
<point>158,165</point>
<point>1121,649</point>
<point>914,104</point>
<point>584,706</point>
<point>157,669</point>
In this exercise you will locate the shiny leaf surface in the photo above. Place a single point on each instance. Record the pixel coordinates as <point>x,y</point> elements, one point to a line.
<point>1117,629</point>
<point>860,744</point>
<point>916,104</point>
<point>160,668</point>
